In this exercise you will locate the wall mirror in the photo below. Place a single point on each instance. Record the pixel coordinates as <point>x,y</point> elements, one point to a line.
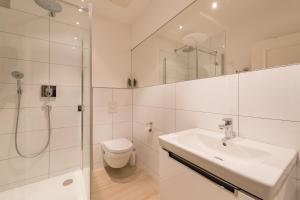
<point>219,37</point>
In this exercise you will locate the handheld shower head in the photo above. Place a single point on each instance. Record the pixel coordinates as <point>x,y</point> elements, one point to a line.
<point>17,75</point>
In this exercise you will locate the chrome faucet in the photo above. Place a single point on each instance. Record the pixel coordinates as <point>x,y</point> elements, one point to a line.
<point>229,134</point>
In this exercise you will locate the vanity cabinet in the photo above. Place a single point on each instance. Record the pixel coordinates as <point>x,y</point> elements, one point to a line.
<point>179,181</point>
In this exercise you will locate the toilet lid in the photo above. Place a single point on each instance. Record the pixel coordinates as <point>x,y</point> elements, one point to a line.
<point>117,145</point>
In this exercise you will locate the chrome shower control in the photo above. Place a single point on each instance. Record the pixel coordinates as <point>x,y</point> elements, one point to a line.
<point>48,91</point>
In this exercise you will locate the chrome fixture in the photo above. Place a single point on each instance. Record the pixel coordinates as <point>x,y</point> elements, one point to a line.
<point>53,6</point>
<point>229,134</point>
<point>18,76</point>
<point>185,49</point>
<point>149,127</point>
<point>188,49</point>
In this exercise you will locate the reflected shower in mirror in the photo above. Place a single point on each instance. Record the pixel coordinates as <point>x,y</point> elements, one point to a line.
<point>219,37</point>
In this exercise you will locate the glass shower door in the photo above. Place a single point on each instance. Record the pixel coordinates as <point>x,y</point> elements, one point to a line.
<point>50,50</point>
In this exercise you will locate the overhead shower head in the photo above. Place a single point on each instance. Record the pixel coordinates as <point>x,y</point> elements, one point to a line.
<point>17,75</point>
<point>188,49</point>
<point>185,49</point>
<point>53,6</point>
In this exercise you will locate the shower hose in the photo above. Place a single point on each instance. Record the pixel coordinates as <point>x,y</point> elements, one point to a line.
<point>16,130</point>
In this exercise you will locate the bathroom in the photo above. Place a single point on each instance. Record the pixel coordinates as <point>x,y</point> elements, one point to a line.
<point>149,99</point>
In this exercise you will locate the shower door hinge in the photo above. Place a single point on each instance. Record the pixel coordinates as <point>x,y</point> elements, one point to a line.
<point>80,108</point>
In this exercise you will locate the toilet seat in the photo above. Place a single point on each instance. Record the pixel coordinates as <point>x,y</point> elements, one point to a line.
<point>121,145</point>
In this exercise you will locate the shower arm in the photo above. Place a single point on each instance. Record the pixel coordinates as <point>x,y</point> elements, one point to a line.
<point>213,53</point>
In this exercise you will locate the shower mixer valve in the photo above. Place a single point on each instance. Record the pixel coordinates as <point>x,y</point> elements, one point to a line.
<point>48,91</point>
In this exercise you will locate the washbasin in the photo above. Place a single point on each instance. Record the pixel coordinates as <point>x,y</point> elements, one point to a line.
<point>255,167</point>
<point>232,151</point>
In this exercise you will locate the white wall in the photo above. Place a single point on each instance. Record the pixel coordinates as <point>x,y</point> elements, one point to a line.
<point>112,118</point>
<point>25,46</point>
<point>157,13</point>
<point>111,52</point>
<point>264,106</point>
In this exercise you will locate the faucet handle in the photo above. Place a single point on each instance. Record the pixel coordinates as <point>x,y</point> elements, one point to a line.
<point>228,121</point>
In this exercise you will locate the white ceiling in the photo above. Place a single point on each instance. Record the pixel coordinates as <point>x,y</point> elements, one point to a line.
<point>272,17</point>
<point>123,14</point>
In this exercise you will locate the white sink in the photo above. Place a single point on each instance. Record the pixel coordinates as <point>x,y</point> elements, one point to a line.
<point>255,167</point>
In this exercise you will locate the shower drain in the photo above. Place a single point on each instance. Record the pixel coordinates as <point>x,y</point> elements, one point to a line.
<point>67,182</point>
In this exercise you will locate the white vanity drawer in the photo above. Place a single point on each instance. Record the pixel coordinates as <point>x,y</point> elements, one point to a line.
<point>179,182</point>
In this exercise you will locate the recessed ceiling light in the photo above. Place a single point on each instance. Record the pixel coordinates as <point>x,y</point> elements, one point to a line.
<point>214,5</point>
<point>75,38</point>
<point>180,27</point>
<point>80,10</point>
<point>77,23</point>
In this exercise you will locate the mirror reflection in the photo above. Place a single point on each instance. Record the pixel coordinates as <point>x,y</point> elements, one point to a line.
<point>219,37</point>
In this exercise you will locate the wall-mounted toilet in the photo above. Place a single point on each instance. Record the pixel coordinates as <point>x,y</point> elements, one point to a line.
<point>117,152</point>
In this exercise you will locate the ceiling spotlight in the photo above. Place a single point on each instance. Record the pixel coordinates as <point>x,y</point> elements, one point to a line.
<point>75,38</point>
<point>180,27</point>
<point>214,5</point>
<point>80,10</point>
<point>77,23</point>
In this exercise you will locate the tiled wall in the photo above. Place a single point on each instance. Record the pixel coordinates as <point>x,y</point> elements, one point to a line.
<point>264,106</point>
<point>46,52</point>
<point>112,118</point>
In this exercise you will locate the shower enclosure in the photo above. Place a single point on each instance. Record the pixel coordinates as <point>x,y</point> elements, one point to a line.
<point>44,99</point>
<point>193,60</point>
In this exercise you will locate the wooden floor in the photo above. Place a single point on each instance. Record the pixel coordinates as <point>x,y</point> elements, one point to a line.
<point>126,184</point>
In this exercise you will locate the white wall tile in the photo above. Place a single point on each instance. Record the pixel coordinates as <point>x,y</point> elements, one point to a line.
<point>272,93</point>
<point>65,117</point>
<point>34,72</point>
<point>147,138</point>
<point>102,96</point>
<point>18,169</point>
<point>30,119</point>
<point>62,54</point>
<point>122,130</point>
<point>102,116</point>
<point>215,95</point>
<point>276,132</point>
<point>123,97</point>
<point>65,138</point>
<point>157,96</point>
<point>65,75</point>
<point>123,114</point>
<point>102,133</point>
<point>30,143</point>
<point>163,119</point>
<point>30,98</point>
<point>147,156</point>
<point>209,121</point>
<point>65,158</point>
<point>13,46</point>
<point>68,96</point>
<point>22,23</point>
<point>6,146</point>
